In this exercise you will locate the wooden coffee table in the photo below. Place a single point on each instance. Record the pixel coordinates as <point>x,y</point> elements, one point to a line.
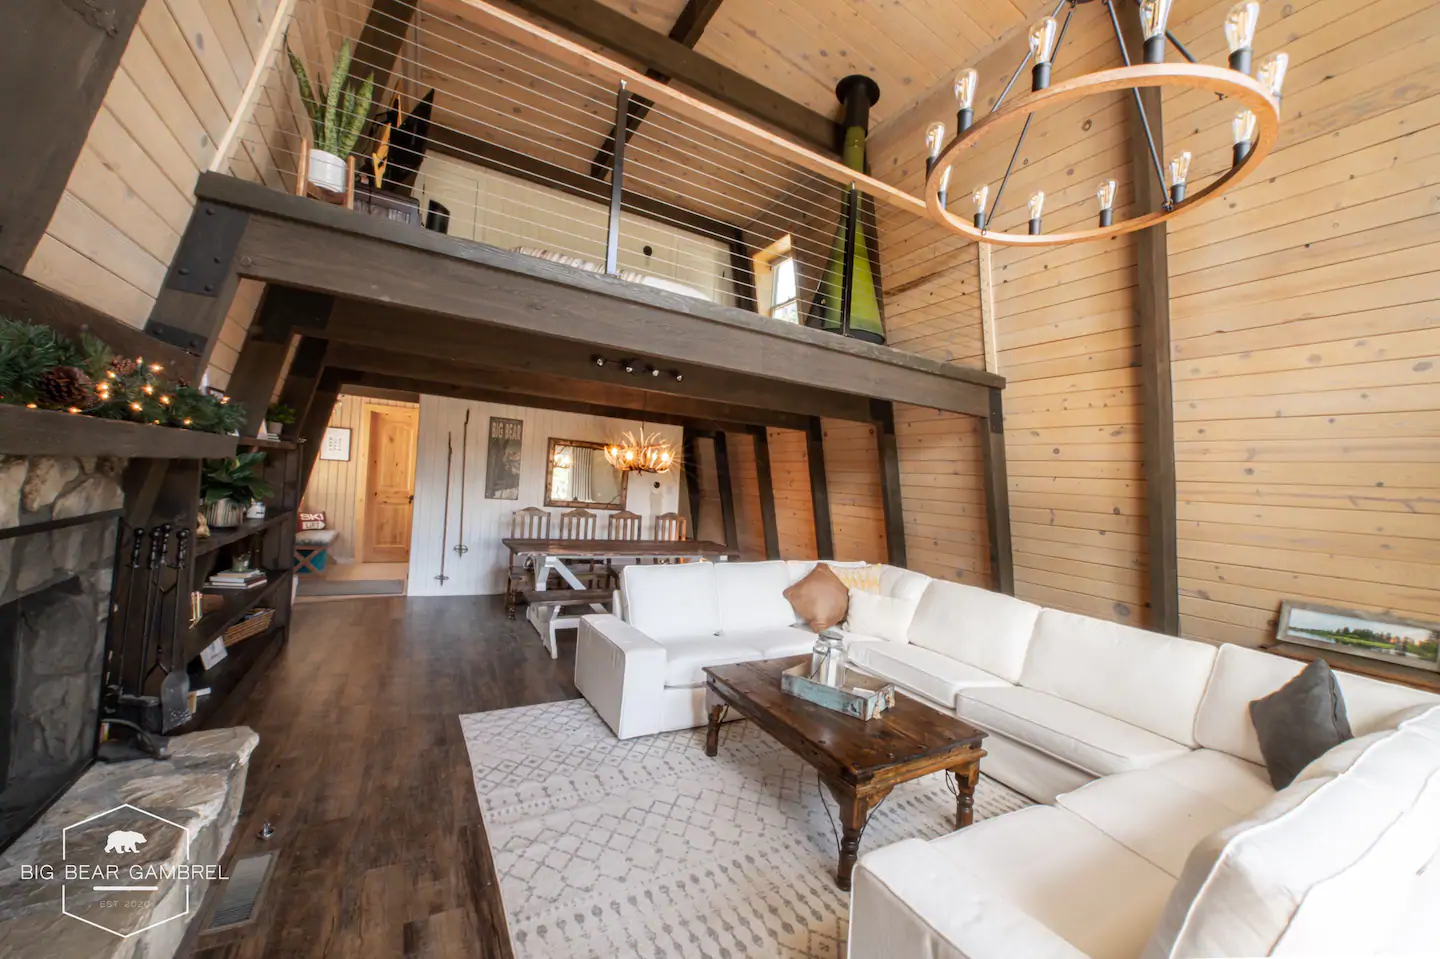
<point>859,761</point>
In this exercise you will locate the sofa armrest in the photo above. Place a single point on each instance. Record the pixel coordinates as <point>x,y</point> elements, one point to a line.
<point>621,671</point>
<point>911,901</point>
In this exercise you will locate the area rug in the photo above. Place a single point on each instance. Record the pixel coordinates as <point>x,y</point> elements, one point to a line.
<point>648,847</point>
<point>351,587</point>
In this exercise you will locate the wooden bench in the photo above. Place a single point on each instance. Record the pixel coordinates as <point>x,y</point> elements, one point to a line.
<point>556,600</point>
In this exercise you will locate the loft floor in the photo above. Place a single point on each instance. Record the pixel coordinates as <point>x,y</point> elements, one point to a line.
<point>363,773</point>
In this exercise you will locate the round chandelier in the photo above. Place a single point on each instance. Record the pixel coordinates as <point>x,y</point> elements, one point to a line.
<point>1255,126</point>
<point>649,453</point>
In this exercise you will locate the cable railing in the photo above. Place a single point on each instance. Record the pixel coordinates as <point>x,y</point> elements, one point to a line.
<point>505,133</point>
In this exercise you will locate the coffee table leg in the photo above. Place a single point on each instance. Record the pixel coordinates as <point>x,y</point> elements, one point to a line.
<point>854,813</point>
<point>712,730</point>
<point>966,777</point>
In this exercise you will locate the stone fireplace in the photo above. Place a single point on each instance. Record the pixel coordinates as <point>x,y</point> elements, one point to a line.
<point>59,517</point>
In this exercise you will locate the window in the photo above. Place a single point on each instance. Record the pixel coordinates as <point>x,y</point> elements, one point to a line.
<point>777,281</point>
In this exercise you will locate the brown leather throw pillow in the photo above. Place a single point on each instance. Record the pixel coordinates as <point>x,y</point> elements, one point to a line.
<point>820,599</point>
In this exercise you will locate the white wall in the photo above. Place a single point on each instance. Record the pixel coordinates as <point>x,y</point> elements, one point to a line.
<point>482,569</point>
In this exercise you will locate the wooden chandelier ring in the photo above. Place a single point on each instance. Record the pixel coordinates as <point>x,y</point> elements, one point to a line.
<point>1237,86</point>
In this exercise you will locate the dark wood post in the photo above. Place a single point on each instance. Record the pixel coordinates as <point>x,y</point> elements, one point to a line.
<point>819,489</point>
<point>997,495</point>
<point>317,418</point>
<point>887,447</point>
<point>1152,309</point>
<point>282,312</point>
<point>692,478</point>
<point>767,491</point>
<point>727,491</point>
<point>303,376</point>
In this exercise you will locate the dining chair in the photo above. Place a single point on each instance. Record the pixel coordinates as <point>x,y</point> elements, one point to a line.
<point>625,525</point>
<point>532,522</point>
<point>671,528</point>
<point>582,524</point>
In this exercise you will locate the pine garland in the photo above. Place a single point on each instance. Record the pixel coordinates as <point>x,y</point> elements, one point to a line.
<point>41,368</point>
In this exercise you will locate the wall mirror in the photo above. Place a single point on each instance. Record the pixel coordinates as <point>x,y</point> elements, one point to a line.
<point>577,475</point>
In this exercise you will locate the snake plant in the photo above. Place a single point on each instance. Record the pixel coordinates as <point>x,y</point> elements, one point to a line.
<point>338,114</point>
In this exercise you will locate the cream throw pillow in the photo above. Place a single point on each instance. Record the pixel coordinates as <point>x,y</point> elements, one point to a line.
<point>884,617</point>
<point>863,577</point>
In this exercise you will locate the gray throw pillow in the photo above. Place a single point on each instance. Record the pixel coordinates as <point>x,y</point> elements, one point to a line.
<point>1300,722</point>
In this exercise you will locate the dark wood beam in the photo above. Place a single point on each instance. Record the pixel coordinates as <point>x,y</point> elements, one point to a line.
<point>691,466</point>
<point>316,420</point>
<point>462,346</point>
<point>819,489</point>
<point>21,298</point>
<point>303,376</point>
<point>689,27</point>
<point>767,491</point>
<point>727,490</point>
<point>615,31</point>
<point>886,446</point>
<point>57,58</point>
<point>297,242</point>
<point>380,42</point>
<point>742,275</point>
<point>450,142</point>
<point>1152,314</point>
<point>381,393</point>
<point>283,311</point>
<point>997,496</point>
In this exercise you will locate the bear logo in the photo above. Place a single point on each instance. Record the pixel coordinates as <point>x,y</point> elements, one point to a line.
<point>124,840</point>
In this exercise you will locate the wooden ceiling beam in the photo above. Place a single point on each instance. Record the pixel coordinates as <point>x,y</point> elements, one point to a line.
<point>689,27</point>
<point>674,60</point>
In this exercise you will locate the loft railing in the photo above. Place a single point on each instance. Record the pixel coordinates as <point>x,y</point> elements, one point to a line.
<point>535,142</point>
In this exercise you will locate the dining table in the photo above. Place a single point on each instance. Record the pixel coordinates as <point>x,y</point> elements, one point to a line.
<point>546,555</point>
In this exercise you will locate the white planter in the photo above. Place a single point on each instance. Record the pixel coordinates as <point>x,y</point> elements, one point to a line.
<point>256,510</point>
<point>224,514</point>
<point>273,428</point>
<point>327,171</point>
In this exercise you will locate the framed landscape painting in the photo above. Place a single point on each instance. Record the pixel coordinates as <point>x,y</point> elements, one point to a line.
<point>1404,642</point>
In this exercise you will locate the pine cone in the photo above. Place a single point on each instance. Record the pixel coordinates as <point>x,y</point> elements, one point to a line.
<point>123,366</point>
<point>65,386</point>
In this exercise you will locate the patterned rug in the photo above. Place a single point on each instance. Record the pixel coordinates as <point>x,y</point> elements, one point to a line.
<point>648,847</point>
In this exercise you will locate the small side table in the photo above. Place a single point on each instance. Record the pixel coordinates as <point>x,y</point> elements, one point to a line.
<point>310,550</point>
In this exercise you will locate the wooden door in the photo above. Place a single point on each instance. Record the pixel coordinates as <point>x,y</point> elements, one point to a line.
<point>390,483</point>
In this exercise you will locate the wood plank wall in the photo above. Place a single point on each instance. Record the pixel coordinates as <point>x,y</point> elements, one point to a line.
<point>794,510</point>
<point>745,482</point>
<point>1303,320</point>
<point>852,474</point>
<point>335,485</point>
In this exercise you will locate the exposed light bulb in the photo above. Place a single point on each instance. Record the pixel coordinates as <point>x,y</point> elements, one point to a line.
<point>1240,25</point>
<point>1272,73</point>
<point>1179,172</point>
<point>934,140</point>
<point>1153,16</point>
<point>943,194</point>
<point>980,198</point>
<point>1037,207</point>
<point>965,82</point>
<point>1042,47</point>
<point>1105,193</point>
<point>1242,131</point>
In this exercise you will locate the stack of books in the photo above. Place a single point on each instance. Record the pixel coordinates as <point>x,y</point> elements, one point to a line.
<point>236,579</point>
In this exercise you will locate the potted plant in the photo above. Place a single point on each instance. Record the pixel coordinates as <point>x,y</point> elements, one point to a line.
<point>277,417</point>
<point>336,116</point>
<point>229,486</point>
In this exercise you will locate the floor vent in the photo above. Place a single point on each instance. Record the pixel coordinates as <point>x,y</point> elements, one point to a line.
<point>240,894</point>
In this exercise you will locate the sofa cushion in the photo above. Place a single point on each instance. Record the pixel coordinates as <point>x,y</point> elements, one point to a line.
<point>1089,889</point>
<point>1085,738</point>
<point>752,596</point>
<point>1229,780</point>
<point>1242,675</point>
<point>820,599</point>
<point>1142,678</point>
<point>1151,814</point>
<point>1300,722</point>
<point>925,672</point>
<point>687,656</point>
<point>865,577</point>
<point>976,626</point>
<point>885,617</point>
<point>671,600</point>
<point>1266,886</point>
<point>776,642</point>
<point>902,583</point>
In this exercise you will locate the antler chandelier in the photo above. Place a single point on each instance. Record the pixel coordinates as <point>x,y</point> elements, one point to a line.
<point>1255,127</point>
<point>649,453</point>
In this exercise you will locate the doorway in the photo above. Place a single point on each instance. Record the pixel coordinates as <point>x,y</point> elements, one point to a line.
<point>388,495</point>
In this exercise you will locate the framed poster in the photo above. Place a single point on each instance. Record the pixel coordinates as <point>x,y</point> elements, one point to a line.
<point>336,444</point>
<point>502,458</point>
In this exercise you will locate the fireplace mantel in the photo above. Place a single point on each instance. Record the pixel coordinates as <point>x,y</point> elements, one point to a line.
<point>27,432</point>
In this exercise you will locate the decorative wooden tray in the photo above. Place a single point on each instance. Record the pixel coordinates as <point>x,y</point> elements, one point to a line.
<point>858,695</point>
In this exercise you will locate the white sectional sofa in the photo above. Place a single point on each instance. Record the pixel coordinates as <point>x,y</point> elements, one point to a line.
<point>1159,833</point>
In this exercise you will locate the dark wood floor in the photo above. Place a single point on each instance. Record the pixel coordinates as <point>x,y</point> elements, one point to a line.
<point>363,773</point>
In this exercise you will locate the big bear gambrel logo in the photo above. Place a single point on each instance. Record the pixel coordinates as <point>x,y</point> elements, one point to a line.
<point>118,843</point>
